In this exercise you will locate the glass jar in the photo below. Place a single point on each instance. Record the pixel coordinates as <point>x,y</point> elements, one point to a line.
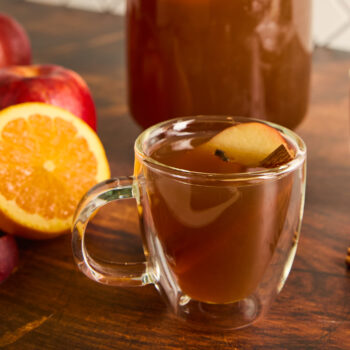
<point>228,57</point>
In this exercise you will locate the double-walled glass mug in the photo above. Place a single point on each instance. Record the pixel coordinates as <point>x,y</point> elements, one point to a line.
<point>218,246</point>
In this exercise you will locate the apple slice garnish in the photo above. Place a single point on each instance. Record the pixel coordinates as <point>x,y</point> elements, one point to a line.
<point>250,144</point>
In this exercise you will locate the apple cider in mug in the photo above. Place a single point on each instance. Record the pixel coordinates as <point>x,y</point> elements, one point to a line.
<point>218,239</point>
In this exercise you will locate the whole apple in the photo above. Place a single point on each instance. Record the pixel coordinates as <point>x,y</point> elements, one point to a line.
<point>8,256</point>
<point>51,84</point>
<point>15,46</point>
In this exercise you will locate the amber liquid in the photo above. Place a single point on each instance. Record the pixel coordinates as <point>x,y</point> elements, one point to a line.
<point>219,57</point>
<point>218,237</point>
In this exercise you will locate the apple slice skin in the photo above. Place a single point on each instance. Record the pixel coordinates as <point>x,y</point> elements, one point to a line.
<point>247,143</point>
<point>8,256</point>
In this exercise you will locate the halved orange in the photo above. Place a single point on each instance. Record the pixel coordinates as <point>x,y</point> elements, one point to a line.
<point>48,159</point>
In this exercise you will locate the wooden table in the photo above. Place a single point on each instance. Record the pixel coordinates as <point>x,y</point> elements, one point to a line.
<point>49,304</point>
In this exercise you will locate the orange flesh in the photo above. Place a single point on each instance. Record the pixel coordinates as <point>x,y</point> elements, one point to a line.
<point>39,159</point>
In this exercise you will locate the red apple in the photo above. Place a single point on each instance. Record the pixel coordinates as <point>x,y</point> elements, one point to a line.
<point>8,256</point>
<point>14,43</point>
<point>50,84</point>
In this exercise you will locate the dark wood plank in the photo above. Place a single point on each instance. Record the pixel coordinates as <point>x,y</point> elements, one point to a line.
<point>49,304</point>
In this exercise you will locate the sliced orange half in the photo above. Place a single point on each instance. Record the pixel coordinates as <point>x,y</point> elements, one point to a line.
<point>48,159</point>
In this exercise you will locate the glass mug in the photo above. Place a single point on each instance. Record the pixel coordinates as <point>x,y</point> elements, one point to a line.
<point>229,57</point>
<point>218,247</point>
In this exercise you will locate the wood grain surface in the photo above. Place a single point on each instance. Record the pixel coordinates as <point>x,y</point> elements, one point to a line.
<point>49,304</point>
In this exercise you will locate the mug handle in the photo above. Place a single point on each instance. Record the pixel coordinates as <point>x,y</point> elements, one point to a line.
<point>125,274</point>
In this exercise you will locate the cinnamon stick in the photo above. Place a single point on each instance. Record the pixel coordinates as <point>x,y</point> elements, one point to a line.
<point>279,156</point>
